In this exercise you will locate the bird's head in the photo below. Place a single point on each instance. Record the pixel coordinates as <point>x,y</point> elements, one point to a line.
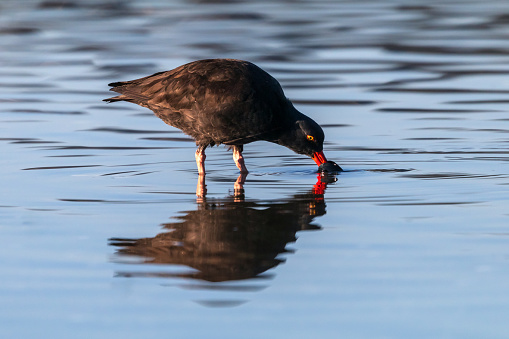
<point>305,137</point>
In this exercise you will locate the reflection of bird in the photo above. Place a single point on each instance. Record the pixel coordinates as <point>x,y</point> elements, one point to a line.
<point>227,240</point>
<point>225,101</point>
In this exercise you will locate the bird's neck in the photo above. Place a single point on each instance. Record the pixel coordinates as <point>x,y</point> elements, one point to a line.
<point>287,129</point>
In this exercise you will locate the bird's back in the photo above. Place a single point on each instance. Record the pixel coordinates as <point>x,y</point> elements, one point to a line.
<point>215,101</point>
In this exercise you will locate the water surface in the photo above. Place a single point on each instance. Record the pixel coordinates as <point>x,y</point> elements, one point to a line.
<point>103,235</point>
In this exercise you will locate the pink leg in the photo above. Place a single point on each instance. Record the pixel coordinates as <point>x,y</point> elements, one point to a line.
<point>239,159</point>
<point>200,159</point>
<point>201,188</point>
<point>238,187</point>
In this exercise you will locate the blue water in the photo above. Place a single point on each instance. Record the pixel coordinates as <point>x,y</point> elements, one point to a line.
<point>103,234</point>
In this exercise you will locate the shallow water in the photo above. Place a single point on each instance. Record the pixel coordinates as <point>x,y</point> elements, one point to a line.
<point>103,235</point>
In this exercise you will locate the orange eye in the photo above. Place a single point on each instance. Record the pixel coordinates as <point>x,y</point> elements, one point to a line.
<point>310,138</point>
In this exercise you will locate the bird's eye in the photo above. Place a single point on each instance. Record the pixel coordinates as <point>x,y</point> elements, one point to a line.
<point>311,138</point>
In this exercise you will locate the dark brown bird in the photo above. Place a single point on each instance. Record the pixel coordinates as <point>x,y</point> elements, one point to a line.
<point>225,101</point>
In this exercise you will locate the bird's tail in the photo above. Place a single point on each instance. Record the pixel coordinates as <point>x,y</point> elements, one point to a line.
<point>118,87</point>
<point>117,98</point>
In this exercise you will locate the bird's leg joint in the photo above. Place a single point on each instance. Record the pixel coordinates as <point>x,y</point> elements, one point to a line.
<point>239,160</point>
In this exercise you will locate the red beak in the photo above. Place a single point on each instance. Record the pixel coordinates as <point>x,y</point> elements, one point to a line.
<point>319,158</point>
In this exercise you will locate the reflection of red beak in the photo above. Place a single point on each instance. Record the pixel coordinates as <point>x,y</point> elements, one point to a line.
<point>319,158</point>
<point>319,188</point>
